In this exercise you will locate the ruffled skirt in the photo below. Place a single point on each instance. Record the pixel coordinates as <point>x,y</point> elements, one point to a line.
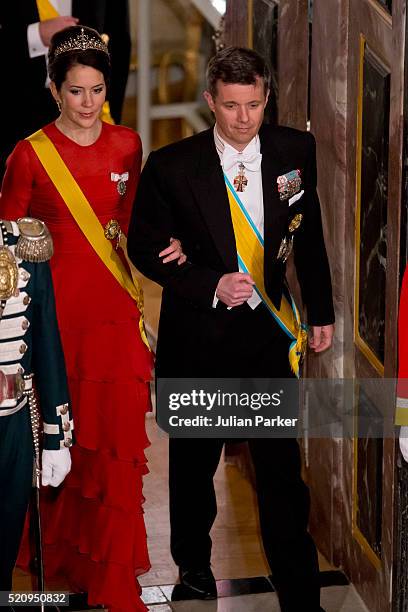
<point>94,533</point>
<point>93,526</point>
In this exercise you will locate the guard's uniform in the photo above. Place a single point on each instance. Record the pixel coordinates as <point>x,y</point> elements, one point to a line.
<point>30,354</point>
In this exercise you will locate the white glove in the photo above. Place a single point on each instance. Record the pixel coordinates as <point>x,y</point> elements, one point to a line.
<point>55,466</point>
<point>403,441</point>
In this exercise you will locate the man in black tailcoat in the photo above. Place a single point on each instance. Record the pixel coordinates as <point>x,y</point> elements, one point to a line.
<point>213,321</point>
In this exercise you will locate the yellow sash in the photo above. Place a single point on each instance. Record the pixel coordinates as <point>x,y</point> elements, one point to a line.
<point>85,217</point>
<point>46,10</point>
<point>106,114</point>
<point>251,259</point>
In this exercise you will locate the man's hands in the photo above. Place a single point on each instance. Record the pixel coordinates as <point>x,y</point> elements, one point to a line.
<point>172,252</point>
<point>321,337</point>
<point>50,26</point>
<point>55,466</point>
<point>235,288</point>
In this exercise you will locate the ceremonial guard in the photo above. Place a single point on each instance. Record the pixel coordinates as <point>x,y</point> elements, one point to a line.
<point>30,357</point>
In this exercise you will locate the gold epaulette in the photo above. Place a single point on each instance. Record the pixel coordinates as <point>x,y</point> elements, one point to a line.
<point>34,243</point>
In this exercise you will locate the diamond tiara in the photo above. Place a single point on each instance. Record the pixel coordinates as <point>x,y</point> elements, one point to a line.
<point>81,42</point>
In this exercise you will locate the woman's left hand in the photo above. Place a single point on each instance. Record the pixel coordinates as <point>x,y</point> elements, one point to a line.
<point>174,251</point>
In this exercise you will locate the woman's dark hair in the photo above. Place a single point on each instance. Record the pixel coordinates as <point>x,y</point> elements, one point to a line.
<point>236,65</point>
<point>63,55</point>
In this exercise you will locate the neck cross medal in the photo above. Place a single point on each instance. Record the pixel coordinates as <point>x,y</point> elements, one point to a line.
<point>240,181</point>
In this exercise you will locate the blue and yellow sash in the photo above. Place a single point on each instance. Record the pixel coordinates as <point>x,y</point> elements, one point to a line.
<point>250,250</point>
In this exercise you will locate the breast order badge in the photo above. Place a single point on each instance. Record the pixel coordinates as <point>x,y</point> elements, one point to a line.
<point>289,184</point>
<point>295,223</point>
<point>286,245</point>
<point>120,180</point>
<point>285,248</point>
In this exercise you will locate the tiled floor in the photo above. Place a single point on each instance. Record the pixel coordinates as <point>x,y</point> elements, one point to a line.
<point>237,550</point>
<point>333,599</point>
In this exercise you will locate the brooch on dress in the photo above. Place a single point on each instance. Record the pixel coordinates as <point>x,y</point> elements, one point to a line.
<point>121,180</point>
<point>112,231</point>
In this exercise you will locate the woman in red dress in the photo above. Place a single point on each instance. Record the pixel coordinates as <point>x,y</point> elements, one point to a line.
<point>94,527</point>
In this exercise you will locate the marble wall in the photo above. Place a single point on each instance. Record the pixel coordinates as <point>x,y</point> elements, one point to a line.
<point>278,30</point>
<point>265,19</point>
<point>369,465</point>
<point>328,108</point>
<point>355,535</point>
<point>293,62</point>
<point>387,4</point>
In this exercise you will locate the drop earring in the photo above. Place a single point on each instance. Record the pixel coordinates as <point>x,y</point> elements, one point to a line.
<point>59,105</point>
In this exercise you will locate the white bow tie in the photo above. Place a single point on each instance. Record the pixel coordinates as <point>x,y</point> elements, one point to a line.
<point>251,161</point>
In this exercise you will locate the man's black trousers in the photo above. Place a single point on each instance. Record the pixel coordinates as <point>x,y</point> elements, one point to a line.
<point>249,344</point>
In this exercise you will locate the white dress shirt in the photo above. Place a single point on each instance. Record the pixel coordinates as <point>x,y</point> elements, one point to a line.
<point>36,46</point>
<point>252,197</point>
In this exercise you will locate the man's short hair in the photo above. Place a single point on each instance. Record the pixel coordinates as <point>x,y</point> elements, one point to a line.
<point>236,65</point>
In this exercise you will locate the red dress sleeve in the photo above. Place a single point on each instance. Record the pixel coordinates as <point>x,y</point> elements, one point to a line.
<point>402,384</point>
<point>18,183</point>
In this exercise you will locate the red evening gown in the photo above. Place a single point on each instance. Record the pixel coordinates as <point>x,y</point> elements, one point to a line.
<point>93,524</point>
